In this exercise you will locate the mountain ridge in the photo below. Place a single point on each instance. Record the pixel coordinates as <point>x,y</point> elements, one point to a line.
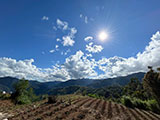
<point>6,83</point>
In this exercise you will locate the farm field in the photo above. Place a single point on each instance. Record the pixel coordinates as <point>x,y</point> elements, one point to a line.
<point>74,107</point>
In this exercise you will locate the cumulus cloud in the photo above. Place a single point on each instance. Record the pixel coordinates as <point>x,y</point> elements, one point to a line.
<point>78,66</point>
<point>68,40</point>
<point>117,66</point>
<point>19,69</point>
<point>81,65</point>
<point>75,66</point>
<point>89,55</point>
<point>45,18</point>
<point>94,48</point>
<point>88,38</point>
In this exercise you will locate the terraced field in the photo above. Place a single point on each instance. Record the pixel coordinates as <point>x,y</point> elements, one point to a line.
<point>77,108</point>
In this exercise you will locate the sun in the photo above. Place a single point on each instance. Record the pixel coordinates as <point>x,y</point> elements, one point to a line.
<point>103,36</point>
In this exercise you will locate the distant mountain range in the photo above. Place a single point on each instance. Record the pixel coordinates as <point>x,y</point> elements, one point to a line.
<point>6,83</point>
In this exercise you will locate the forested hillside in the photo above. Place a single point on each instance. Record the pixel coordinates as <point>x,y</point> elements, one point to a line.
<point>7,83</point>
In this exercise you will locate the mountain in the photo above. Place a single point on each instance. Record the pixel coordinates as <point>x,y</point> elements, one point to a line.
<point>80,82</point>
<point>6,83</point>
<point>116,81</point>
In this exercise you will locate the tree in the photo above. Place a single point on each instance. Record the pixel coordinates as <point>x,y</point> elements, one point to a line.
<point>132,86</point>
<point>32,95</point>
<point>151,81</point>
<point>23,92</point>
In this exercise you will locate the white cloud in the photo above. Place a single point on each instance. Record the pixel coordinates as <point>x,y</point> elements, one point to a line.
<point>58,39</point>
<point>117,66</point>
<point>67,52</point>
<point>88,38</point>
<point>75,66</point>
<point>43,52</point>
<point>19,69</point>
<point>80,66</point>
<point>80,15</point>
<point>54,27</point>
<point>45,18</point>
<point>62,53</point>
<point>52,51</point>
<point>67,41</point>
<point>62,24</point>
<point>89,55</point>
<point>94,48</point>
<point>86,19</point>
<point>72,32</point>
<point>56,46</point>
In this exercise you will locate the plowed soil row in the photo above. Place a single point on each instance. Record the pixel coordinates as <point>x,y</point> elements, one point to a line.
<point>85,108</point>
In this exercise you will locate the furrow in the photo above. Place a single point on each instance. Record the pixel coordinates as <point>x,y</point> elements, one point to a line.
<point>125,112</point>
<point>135,115</point>
<point>149,115</point>
<point>155,115</point>
<point>71,110</point>
<point>88,105</point>
<point>103,107</point>
<point>109,109</point>
<point>97,104</point>
<point>141,114</point>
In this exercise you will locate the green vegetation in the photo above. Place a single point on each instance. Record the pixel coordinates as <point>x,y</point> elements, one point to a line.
<point>150,105</point>
<point>4,96</point>
<point>152,83</point>
<point>23,93</point>
<point>135,94</point>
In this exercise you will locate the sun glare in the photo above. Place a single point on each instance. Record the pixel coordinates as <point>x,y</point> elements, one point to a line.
<point>103,36</point>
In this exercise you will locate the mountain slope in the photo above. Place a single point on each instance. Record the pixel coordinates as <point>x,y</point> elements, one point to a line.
<point>6,83</point>
<point>116,81</point>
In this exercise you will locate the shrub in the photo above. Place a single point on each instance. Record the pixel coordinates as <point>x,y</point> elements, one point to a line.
<point>4,96</point>
<point>22,99</point>
<point>126,100</point>
<point>138,103</point>
<point>153,106</point>
<point>52,99</point>
<point>95,96</point>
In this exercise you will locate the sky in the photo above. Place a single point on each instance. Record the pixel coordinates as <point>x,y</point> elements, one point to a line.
<point>58,40</point>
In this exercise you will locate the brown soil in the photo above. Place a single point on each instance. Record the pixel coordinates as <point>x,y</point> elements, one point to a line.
<point>80,108</point>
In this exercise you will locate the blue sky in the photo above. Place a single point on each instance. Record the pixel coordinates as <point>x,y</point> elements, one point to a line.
<point>29,31</point>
